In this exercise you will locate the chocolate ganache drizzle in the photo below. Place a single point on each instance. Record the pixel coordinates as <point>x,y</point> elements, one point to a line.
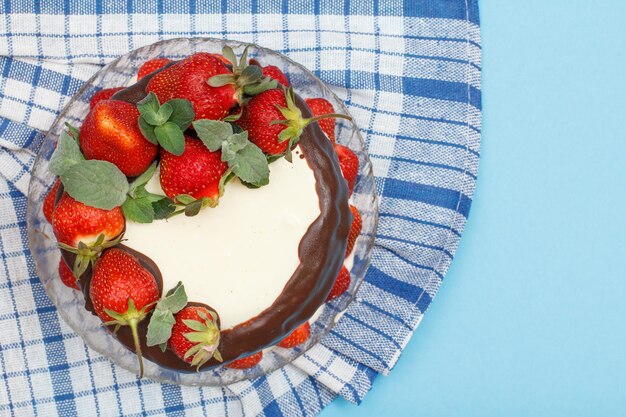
<point>321,252</point>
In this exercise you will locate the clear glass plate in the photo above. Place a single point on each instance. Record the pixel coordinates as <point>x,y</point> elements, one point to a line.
<point>70,303</point>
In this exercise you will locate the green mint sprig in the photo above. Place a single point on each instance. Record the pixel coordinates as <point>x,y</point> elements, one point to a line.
<point>165,123</point>
<point>162,320</point>
<point>141,206</point>
<point>246,160</point>
<point>94,183</point>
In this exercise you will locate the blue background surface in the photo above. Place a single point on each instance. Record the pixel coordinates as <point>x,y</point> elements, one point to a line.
<point>545,246</point>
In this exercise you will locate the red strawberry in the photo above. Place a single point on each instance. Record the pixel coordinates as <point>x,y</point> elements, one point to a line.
<point>111,133</point>
<point>342,282</point>
<point>349,163</point>
<point>319,107</point>
<point>123,292</point>
<point>355,229</point>
<point>75,222</point>
<point>247,362</point>
<point>275,73</point>
<point>274,122</point>
<point>188,79</point>
<point>103,94</point>
<point>152,65</point>
<point>48,202</point>
<point>67,276</point>
<point>196,172</point>
<point>297,337</point>
<point>195,336</point>
<point>85,230</point>
<point>257,116</point>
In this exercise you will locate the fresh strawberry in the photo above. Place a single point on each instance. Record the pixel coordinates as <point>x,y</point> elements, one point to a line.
<point>355,229</point>
<point>152,65</point>
<point>256,118</point>
<point>75,222</point>
<point>123,292</point>
<point>67,276</point>
<point>274,72</point>
<point>195,336</point>
<point>342,282</point>
<point>349,163</point>
<point>188,79</point>
<point>297,337</point>
<point>48,202</point>
<point>320,107</point>
<point>196,172</point>
<point>85,230</point>
<point>247,362</point>
<point>111,133</point>
<point>274,122</point>
<point>103,94</point>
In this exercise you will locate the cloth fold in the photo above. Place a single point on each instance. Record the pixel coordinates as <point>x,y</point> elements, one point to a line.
<point>409,72</point>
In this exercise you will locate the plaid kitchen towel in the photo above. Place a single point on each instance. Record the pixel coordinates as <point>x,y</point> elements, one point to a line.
<point>409,72</point>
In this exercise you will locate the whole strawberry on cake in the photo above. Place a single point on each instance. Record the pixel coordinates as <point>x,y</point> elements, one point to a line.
<point>204,211</point>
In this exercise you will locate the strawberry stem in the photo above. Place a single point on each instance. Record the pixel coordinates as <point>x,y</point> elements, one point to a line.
<point>131,318</point>
<point>133,328</point>
<point>326,116</point>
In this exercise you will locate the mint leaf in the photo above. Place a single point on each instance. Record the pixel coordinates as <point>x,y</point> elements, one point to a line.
<point>164,113</point>
<point>141,192</point>
<point>163,208</point>
<point>251,186</point>
<point>148,106</point>
<point>250,165</point>
<point>171,138</point>
<point>182,113</point>
<point>232,145</point>
<point>238,141</point>
<point>160,327</point>
<point>138,210</point>
<point>96,183</point>
<point>175,299</point>
<point>143,178</point>
<point>159,117</point>
<point>228,155</point>
<point>66,154</point>
<point>162,320</point>
<point>147,130</point>
<point>212,132</point>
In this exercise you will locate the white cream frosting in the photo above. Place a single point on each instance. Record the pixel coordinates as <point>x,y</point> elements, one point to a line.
<point>238,256</point>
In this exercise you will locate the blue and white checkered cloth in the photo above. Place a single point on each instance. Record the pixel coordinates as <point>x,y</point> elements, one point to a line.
<point>409,72</point>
